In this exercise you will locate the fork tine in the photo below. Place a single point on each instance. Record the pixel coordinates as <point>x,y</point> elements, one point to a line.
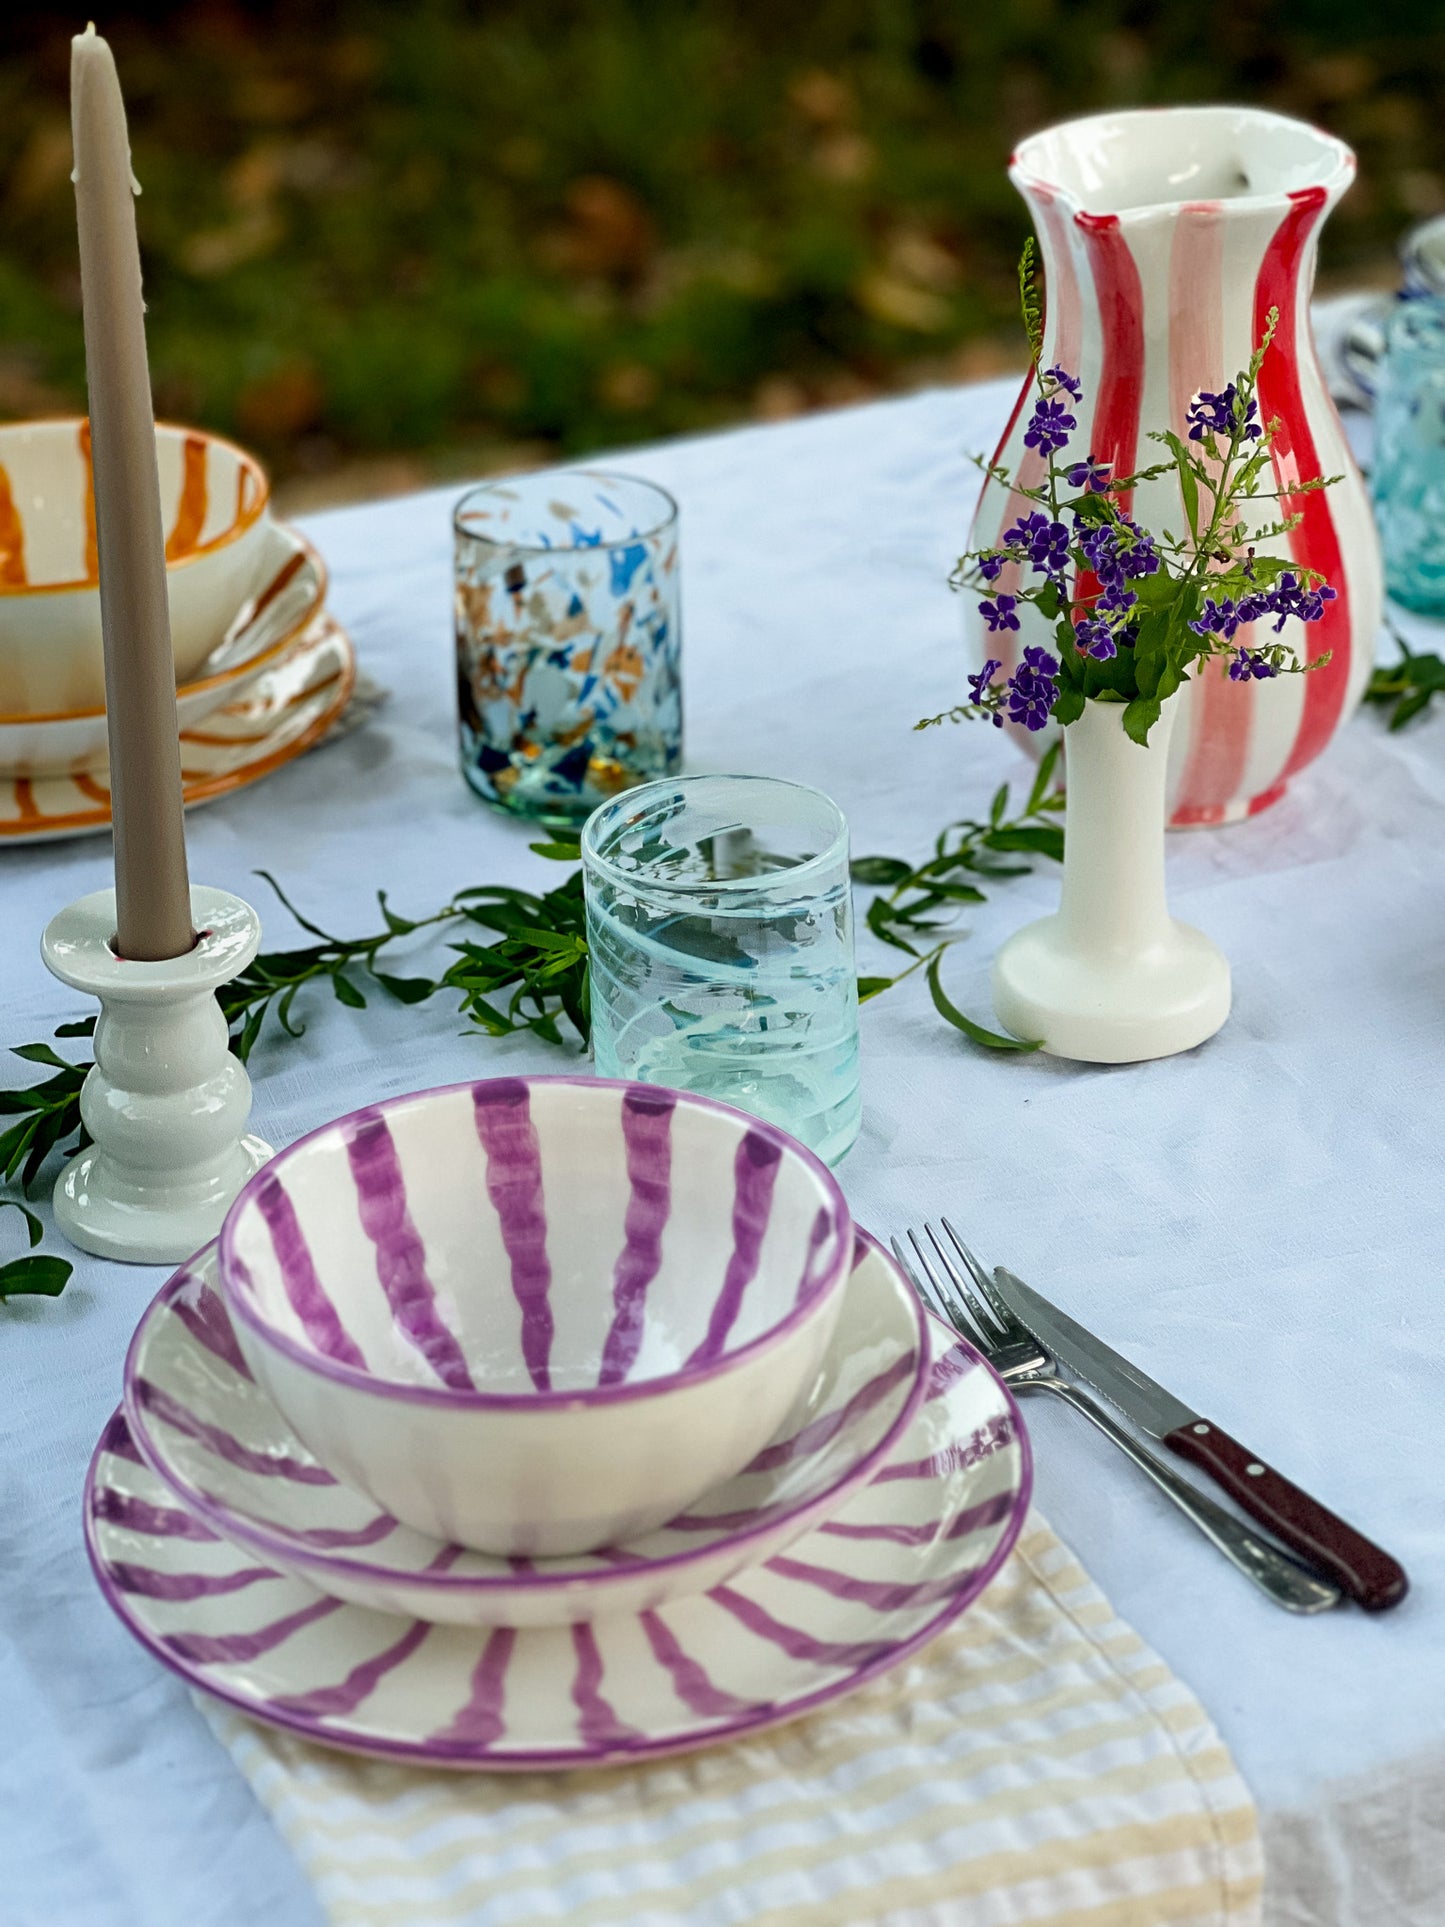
<point>946,1303</point>
<point>983,1279</point>
<point>986,1319</point>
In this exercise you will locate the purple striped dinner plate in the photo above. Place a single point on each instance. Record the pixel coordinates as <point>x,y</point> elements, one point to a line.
<point>203,1423</point>
<point>860,1592</point>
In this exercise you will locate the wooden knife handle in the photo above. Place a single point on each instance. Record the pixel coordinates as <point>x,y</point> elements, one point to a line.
<point>1364,1570</point>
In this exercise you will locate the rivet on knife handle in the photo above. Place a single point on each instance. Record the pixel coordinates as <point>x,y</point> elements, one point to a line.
<point>1366,1571</point>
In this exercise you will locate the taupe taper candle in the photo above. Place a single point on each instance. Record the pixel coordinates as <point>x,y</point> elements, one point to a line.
<point>153,906</point>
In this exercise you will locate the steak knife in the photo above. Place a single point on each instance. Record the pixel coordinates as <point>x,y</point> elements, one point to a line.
<point>1365,1571</point>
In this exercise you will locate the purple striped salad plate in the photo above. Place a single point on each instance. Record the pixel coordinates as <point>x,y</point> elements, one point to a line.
<point>208,1429</point>
<point>872,1584</point>
<point>536,1315</point>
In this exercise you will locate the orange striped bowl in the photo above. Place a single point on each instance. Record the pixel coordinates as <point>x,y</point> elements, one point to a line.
<point>213,498</point>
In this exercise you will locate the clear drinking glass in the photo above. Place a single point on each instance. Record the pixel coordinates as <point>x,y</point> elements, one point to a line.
<point>720,925</point>
<point>1408,480</point>
<point>569,676</point>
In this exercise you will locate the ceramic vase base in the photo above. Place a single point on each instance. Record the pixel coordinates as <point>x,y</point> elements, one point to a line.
<point>102,1212</point>
<point>1111,1010</point>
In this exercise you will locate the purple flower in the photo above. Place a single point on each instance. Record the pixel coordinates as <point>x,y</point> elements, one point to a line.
<point>1070,384</point>
<point>1095,638</point>
<point>1219,619</point>
<point>999,613</point>
<point>1090,475</point>
<point>990,567</point>
<point>1116,597</point>
<point>1211,414</point>
<point>1031,689</point>
<point>1049,427</point>
<point>1248,663</point>
<point>978,685</point>
<point>1045,543</point>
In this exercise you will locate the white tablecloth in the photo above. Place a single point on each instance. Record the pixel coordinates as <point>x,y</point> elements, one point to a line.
<point>1261,1222</point>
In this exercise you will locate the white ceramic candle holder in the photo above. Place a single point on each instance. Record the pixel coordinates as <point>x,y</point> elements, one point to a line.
<point>166,1102</point>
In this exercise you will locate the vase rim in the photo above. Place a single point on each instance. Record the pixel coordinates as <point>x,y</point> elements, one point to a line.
<point>1147,163</point>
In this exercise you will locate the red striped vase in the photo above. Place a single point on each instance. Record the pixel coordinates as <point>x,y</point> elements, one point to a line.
<point>1167,236</point>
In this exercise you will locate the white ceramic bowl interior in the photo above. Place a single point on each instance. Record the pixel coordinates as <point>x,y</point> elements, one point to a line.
<point>534,1316</point>
<point>292,589</point>
<point>213,502</point>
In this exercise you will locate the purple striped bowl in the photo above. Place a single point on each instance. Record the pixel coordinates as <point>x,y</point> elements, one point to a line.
<point>537,1315</point>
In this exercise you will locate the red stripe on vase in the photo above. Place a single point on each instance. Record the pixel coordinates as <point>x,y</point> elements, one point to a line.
<point>1315,543</point>
<point>1119,294</point>
<point>1221,712</point>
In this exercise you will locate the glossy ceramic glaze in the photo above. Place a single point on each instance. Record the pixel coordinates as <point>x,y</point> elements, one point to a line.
<point>166,1101</point>
<point>292,588</point>
<point>1111,977</point>
<point>203,1423</point>
<point>278,715</point>
<point>873,1583</point>
<point>537,1315</point>
<point>214,498</point>
<point>1167,236</point>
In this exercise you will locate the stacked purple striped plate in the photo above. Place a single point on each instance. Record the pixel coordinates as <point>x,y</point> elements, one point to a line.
<point>205,1426</point>
<point>677,1455</point>
<point>905,1555</point>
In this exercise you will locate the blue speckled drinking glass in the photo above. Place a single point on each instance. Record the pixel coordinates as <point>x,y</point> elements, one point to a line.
<point>1408,480</point>
<point>569,649</point>
<point>720,929</point>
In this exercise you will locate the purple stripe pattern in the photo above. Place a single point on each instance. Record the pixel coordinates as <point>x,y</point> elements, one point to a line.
<point>647,1134</point>
<point>204,1315</point>
<point>225,1449</point>
<point>480,1723</point>
<point>502,1108</point>
<point>400,1254</point>
<point>755,1172</point>
<point>310,1303</point>
<point>170,1411</point>
<point>129,1514</point>
<point>902,1558</point>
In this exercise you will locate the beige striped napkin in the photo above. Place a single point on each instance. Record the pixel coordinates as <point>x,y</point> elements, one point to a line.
<point>1035,1764</point>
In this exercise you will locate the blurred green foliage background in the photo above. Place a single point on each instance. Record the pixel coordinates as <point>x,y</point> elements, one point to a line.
<point>388,241</point>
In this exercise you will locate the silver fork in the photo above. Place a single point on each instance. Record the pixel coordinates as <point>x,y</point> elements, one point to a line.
<point>952,1282</point>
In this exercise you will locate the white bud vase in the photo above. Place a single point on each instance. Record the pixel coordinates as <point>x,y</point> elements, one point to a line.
<point>1112,978</point>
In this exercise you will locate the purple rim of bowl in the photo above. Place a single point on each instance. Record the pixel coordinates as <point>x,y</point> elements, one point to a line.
<point>773,1714</point>
<point>240,1529</point>
<point>238,1300</point>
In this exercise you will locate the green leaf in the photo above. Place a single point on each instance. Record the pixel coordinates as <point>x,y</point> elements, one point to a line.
<point>1043,839</point>
<point>1068,706</point>
<point>999,805</point>
<point>1043,780</point>
<point>558,850</point>
<point>398,926</point>
<point>81,1027</point>
<point>881,872</point>
<point>42,1277</point>
<point>1140,717</point>
<point>1409,707</point>
<point>41,1054</point>
<point>1188,483</point>
<point>873,987</point>
<point>976,1033</point>
<point>406,990</point>
<point>34,1229</point>
<point>347,993</point>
